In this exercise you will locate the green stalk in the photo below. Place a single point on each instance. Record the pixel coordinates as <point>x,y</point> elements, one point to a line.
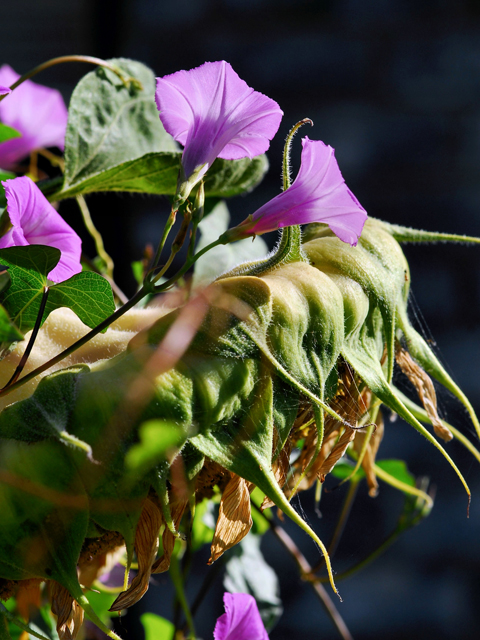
<point>73,58</point>
<point>289,248</point>
<point>180,591</point>
<point>166,230</point>
<point>5,613</point>
<point>287,150</point>
<point>407,234</point>
<point>96,235</point>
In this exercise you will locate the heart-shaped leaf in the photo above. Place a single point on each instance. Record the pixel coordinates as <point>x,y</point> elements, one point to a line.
<point>88,294</point>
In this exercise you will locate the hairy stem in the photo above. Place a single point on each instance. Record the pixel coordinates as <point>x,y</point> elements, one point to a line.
<point>96,235</point>
<point>31,342</point>
<point>73,58</point>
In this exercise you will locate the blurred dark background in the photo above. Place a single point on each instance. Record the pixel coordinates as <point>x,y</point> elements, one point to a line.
<point>394,87</point>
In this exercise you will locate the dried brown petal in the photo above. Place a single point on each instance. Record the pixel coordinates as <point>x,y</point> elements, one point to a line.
<point>69,613</point>
<point>425,389</point>
<point>168,538</point>
<point>336,453</point>
<point>234,518</point>
<point>146,547</point>
<point>368,462</point>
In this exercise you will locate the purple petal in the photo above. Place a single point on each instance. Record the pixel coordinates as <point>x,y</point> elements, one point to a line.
<point>213,113</point>
<point>241,620</point>
<point>4,90</point>
<point>35,221</point>
<point>38,112</point>
<point>318,194</point>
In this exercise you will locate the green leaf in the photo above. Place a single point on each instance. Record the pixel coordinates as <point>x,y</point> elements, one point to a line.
<point>157,438</point>
<point>7,133</point>
<point>8,331</point>
<point>4,175</point>
<point>398,469</point>
<point>28,269</point>
<point>226,256</point>
<point>101,602</point>
<point>109,124</point>
<point>156,627</point>
<point>203,524</point>
<point>48,415</point>
<point>154,173</point>
<point>87,294</point>
<point>157,173</point>
<point>343,470</point>
<point>40,509</point>
<point>247,572</point>
<point>4,632</point>
<point>227,178</point>
<point>260,520</point>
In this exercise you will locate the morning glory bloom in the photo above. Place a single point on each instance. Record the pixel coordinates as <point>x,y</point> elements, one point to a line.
<point>214,114</point>
<point>35,221</point>
<point>241,620</point>
<point>318,194</point>
<point>37,112</point>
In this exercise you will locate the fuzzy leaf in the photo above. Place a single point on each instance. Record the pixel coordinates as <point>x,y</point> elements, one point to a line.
<point>109,124</point>
<point>41,510</point>
<point>157,438</point>
<point>377,264</point>
<point>157,173</point>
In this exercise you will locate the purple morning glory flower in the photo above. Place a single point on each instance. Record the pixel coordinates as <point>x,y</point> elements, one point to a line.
<point>35,221</point>
<point>214,114</point>
<point>4,90</point>
<point>241,620</point>
<point>318,194</point>
<point>37,112</point>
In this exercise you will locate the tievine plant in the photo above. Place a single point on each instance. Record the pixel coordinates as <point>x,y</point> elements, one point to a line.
<point>124,423</point>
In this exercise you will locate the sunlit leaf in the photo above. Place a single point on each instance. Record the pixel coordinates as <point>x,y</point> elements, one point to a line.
<point>156,627</point>
<point>87,293</point>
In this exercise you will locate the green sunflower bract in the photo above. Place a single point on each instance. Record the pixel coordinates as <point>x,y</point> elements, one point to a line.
<point>259,363</point>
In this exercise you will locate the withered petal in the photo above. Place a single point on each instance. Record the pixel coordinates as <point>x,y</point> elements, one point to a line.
<point>168,538</point>
<point>69,613</point>
<point>368,462</point>
<point>234,518</point>
<point>336,453</point>
<point>425,389</point>
<point>146,547</point>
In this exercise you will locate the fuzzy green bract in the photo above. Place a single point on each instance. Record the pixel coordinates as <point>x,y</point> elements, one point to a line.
<point>266,343</point>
